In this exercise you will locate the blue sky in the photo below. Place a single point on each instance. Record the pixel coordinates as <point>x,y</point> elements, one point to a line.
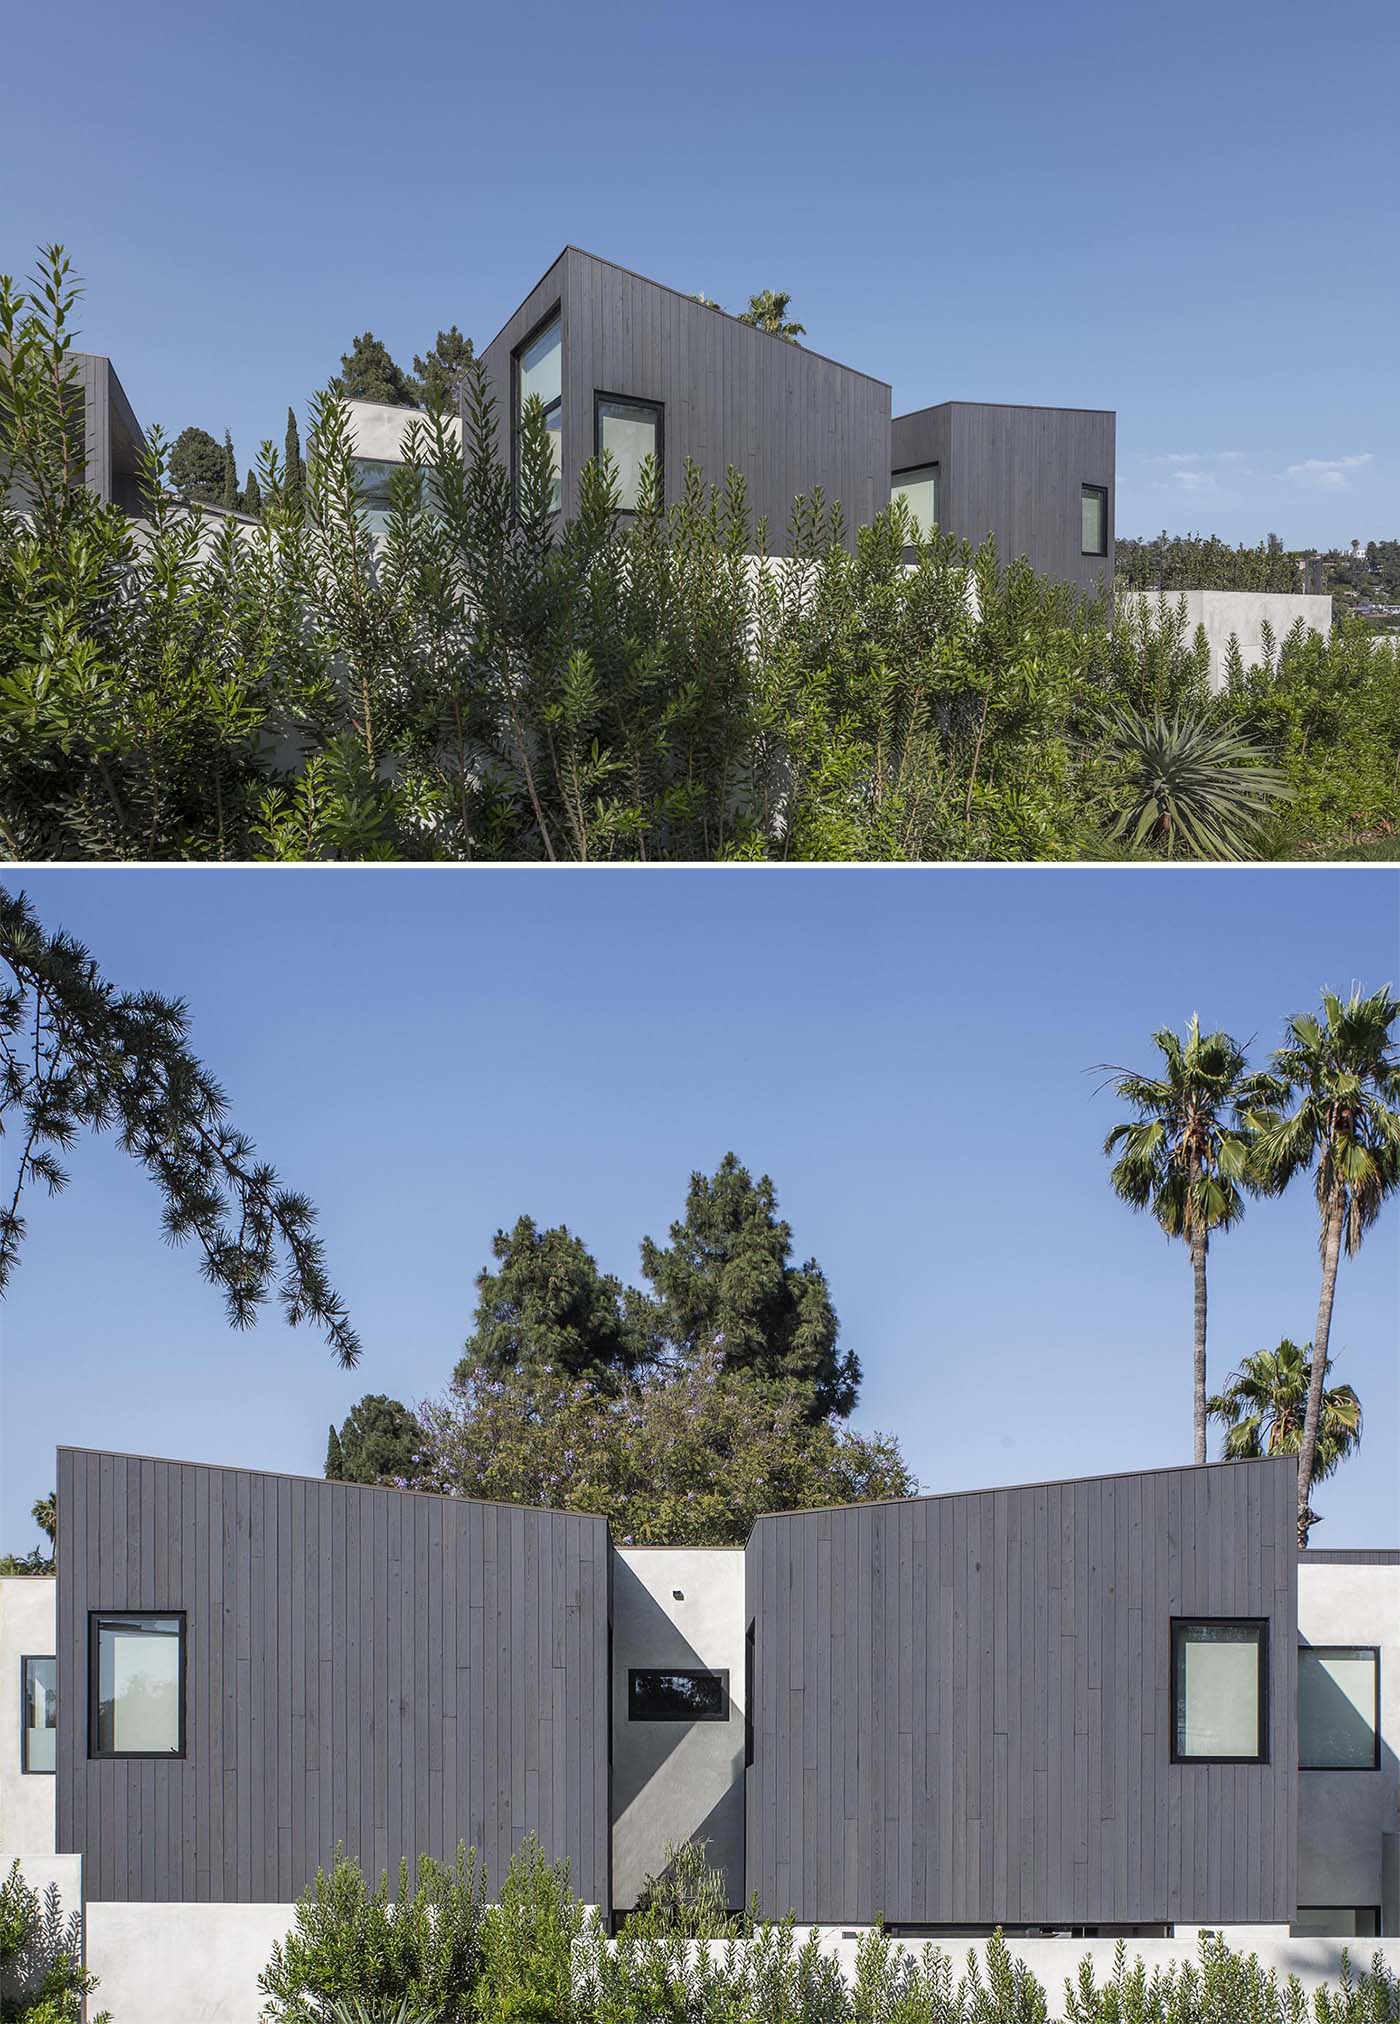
<point>431,1055</point>
<point>1179,214</point>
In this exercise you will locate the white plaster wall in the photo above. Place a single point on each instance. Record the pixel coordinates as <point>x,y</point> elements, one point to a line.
<point>1343,1815</point>
<point>27,1629</point>
<point>182,1963</point>
<point>673,1781</point>
<point>1243,614</point>
<point>378,431</point>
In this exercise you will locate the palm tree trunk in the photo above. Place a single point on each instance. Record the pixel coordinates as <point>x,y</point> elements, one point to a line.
<point>1198,1401</point>
<point>1331,1255</point>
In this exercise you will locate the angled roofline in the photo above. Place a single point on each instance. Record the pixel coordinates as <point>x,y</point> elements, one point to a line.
<point>1019,407</point>
<point>334,1483</point>
<point>713,308</point>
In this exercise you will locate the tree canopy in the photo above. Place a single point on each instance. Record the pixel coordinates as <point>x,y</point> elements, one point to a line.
<point>727,1282</point>
<point>380,1441</point>
<point>196,466</point>
<point>442,376</point>
<point>686,1455</point>
<point>368,373</point>
<point>547,1308</point>
<point>768,310</point>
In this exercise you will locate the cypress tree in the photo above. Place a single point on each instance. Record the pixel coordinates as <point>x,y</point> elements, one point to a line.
<point>293,470</point>
<point>230,498</point>
<point>335,1459</point>
<point>252,495</point>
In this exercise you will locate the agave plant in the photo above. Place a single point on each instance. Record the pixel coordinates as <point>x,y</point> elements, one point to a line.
<point>1195,788</point>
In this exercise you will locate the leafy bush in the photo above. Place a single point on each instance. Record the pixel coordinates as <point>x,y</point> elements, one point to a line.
<point>42,1978</point>
<point>349,1943</point>
<point>527,1944</point>
<point>687,1897</point>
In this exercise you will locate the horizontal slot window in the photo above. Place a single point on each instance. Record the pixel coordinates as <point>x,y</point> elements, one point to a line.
<point>680,1694</point>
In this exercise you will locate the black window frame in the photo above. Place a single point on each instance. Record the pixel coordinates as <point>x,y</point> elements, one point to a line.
<point>1099,554</point>
<point>555,315</point>
<point>26,1660</point>
<point>720,1673</point>
<point>96,1618</point>
<point>1321,1651</point>
<point>1254,1623</point>
<point>934,464</point>
<point>750,1673</point>
<point>658,408</point>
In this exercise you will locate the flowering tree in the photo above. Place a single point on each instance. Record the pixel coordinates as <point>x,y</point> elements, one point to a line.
<point>686,1456</point>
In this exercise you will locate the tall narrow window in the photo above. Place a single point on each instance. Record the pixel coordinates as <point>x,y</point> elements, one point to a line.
<point>1219,1692</point>
<point>749,1711</point>
<point>137,1685</point>
<point>629,432</point>
<point>918,488</point>
<point>1093,519</point>
<point>1339,1708</point>
<point>539,375</point>
<point>39,1713</point>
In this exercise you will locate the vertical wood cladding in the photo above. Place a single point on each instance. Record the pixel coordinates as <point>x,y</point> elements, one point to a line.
<point>964,1705</point>
<point>1016,473</point>
<point>390,1671</point>
<point>787,418</point>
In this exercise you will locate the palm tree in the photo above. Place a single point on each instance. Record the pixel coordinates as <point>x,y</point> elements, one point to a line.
<point>1332,1106</point>
<point>768,311</point>
<point>1185,1156</point>
<point>1195,788</point>
<point>1264,1406</point>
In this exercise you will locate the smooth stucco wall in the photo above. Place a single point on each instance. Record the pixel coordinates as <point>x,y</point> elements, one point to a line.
<point>1343,1815</point>
<point>26,1630</point>
<point>1243,614</point>
<point>675,1781</point>
<point>378,431</point>
<point>182,1963</point>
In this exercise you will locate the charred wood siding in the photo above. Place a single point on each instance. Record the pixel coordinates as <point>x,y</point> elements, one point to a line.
<point>787,418</point>
<point>964,1705</point>
<point>393,1672</point>
<point>1016,473</point>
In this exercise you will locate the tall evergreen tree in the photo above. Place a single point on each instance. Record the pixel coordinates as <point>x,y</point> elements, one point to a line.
<point>230,491</point>
<point>547,1307</point>
<point>251,501</point>
<point>727,1282</point>
<point>335,1459</point>
<point>293,469</point>
<point>196,466</point>
<point>440,373</point>
<point>367,373</point>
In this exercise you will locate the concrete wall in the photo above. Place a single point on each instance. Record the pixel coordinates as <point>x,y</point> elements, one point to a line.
<point>171,1964</point>
<point>1344,1816</point>
<point>27,1626</point>
<point>378,431</point>
<point>677,1781</point>
<point>1243,614</point>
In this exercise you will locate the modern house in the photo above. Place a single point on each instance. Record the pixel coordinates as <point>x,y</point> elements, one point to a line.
<point>626,365</point>
<point>1124,1705</point>
<point>106,431</point>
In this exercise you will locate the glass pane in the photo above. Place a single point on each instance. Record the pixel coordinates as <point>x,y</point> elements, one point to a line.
<point>1217,1690</point>
<point>1092,505</point>
<point>372,477</point>
<point>40,1713</point>
<point>676,1696</point>
<point>556,448</point>
<point>540,366</point>
<point>627,433</point>
<point>919,491</point>
<point>1336,1922</point>
<point>138,1684</point>
<point>1337,1709</point>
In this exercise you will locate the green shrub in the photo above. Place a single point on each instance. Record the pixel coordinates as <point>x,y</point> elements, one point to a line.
<point>42,1978</point>
<point>350,1944</point>
<point>527,1944</point>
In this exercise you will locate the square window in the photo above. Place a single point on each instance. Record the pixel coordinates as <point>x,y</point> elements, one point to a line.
<point>1219,1690</point>
<point>918,488</point>
<point>38,1695</point>
<point>136,1684</point>
<point>1338,1708</point>
<point>1093,519</point>
<point>629,432</point>
<point>677,1694</point>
